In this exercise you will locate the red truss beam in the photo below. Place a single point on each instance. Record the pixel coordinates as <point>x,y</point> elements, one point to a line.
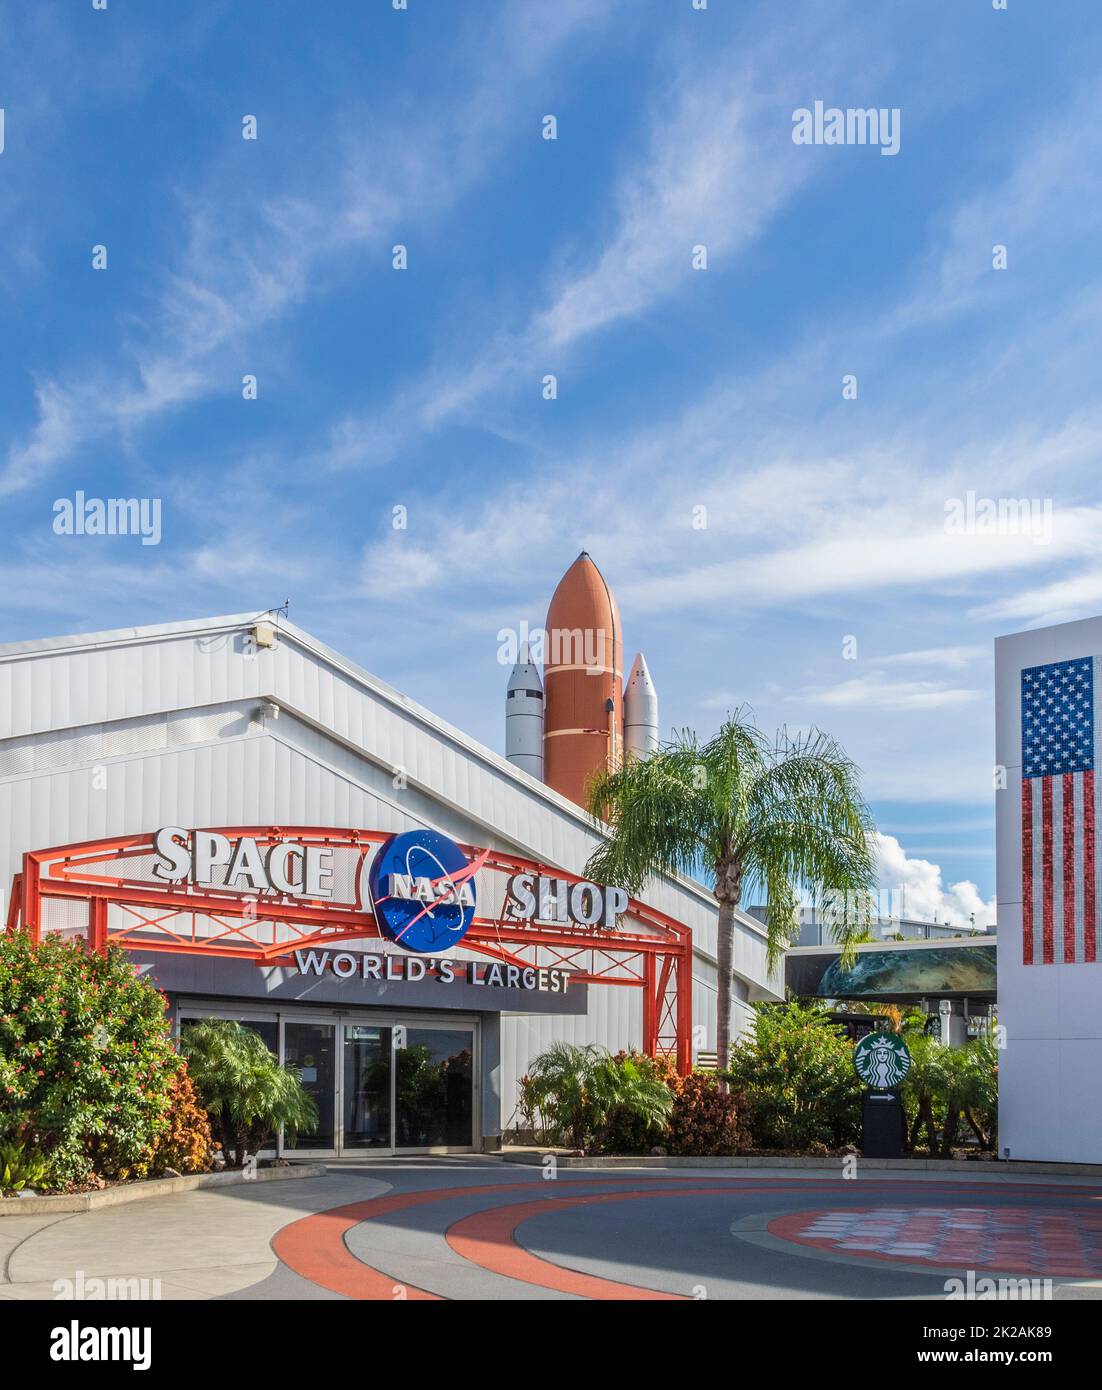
<point>652,953</point>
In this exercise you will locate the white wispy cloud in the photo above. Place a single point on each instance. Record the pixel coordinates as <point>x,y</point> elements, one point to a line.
<point>716,168</point>
<point>239,271</point>
<point>943,658</point>
<point>58,429</point>
<point>886,530</point>
<point>795,513</point>
<point>1015,212</point>
<point>875,691</point>
<point>1059,602</point>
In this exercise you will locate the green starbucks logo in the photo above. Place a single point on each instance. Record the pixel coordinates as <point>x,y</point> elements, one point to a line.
<point>881,1061</point>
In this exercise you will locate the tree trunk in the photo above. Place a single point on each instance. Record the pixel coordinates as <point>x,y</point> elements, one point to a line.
<point>724,952</point>
<point>260,1135</point>
<point>225,1136</point>
<point>949,1134</point>
<point>925,1117</point>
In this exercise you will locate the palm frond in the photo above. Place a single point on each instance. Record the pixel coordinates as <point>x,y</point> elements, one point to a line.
<point>772,818</point>
<point>655,810</point>
<point>808,828</point>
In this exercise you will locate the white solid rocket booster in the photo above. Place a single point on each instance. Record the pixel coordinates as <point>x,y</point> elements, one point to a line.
<point>524,716</point>
<point>640,711</point>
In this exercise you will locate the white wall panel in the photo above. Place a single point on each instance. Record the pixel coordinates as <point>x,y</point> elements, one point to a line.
<point>1050,1072</point>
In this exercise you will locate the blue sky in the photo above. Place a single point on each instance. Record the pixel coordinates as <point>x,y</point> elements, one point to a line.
<point>677,388</point>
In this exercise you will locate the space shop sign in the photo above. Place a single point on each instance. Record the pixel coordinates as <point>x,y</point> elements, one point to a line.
<point>347,965</point>
<point>438,878</point>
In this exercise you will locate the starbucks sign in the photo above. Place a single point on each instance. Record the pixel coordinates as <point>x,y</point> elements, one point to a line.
<point>881,1060</point>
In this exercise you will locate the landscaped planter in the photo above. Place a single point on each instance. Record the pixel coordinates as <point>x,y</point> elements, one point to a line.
<point>62,1202</point>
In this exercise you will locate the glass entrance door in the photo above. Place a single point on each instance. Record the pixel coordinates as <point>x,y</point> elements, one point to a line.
<point>383,1087</point>
<point>367,1087</point>
<point>312,1048</point>
<point>433,1088</point>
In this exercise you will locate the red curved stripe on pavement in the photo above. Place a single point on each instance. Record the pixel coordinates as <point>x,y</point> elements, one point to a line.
<point>314,1247</point>
<point>488,1238</point>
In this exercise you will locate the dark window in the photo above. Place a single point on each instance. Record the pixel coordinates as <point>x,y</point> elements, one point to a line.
<point>434,1089</point>
<point>311,1047</point>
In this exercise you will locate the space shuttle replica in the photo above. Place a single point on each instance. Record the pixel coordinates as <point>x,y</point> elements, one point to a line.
<point>580,718</point>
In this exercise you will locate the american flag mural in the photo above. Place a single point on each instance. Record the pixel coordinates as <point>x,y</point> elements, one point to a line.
<point>1061,812</point>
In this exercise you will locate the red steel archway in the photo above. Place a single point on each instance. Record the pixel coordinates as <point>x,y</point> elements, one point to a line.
<point>96,889</point>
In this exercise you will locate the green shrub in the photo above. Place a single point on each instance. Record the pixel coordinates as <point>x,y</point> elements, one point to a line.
<point>86,1060</point>
<point>795,1073</point>
<point>923,1089</point>
<point>20,1167</point>
<point>948,1087</point>
<point>705,1118</point>
<point>247,1093</point>
<point>528,1110</point>
<point>592,1100</point>
<point>979,1090</point>
<point>635,1110</point>
<point>629,1103</point>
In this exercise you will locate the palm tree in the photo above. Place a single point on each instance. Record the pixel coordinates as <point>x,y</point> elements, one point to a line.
<point>628,1086</point>
<point>757,817</point>
<point>557,1079</point>
<point>980,1089</point>
<point>579,1090</point>
<point>926,1084</point>
<point>247,1093</point>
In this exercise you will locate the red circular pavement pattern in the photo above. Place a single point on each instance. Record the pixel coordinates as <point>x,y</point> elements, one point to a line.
<point>1060,1241</point>
<point>315,1248</point>
<point>1010,1240</point>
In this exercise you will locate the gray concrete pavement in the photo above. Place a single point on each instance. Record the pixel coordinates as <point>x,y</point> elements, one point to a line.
<point>477,1228</point>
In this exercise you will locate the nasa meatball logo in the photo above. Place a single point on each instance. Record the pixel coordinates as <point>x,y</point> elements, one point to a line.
<point>422,889</point>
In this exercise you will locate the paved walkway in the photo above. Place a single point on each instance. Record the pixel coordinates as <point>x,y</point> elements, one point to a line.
<point>479,1228</point>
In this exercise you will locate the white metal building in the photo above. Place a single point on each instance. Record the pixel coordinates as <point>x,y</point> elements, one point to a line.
<point>199,724</point>
<point>1048,742</point>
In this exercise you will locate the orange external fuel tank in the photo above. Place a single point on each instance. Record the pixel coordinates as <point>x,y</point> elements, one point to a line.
<point>583,680</point>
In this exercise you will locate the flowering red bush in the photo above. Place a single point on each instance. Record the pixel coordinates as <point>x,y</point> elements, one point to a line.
<point>86,1060</point>
<point>704,1119</point>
